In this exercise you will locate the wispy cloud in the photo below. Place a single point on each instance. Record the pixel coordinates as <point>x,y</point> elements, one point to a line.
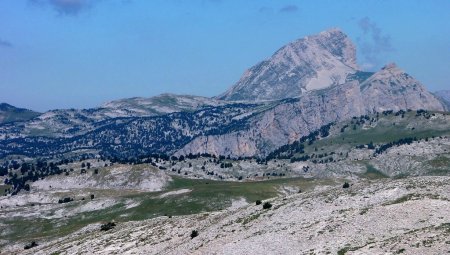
<point>67,7</point>
<point>265,9</point>
<point>374,43</point>
<point>70,7</point>
<point>289,8</point>
<point>5,44</point>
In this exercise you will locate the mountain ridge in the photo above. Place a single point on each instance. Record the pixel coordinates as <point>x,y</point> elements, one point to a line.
<point>182,125</point>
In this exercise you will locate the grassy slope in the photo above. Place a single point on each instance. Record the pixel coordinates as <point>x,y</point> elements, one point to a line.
<point>206,195</point>
<point>387,129</point>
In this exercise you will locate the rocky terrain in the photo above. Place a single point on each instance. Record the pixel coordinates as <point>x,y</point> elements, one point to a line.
<point>407,216</point>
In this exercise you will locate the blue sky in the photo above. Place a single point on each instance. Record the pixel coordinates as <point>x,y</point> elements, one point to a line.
<point>81,53</point>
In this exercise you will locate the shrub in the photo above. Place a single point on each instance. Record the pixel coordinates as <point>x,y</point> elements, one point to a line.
<point>258,202</point>
<point>65,200</point>
<point>346,185</point>
<point>194,233</point>
<point>107,226</point>
<point>267,205</point>
<point>31,245</point>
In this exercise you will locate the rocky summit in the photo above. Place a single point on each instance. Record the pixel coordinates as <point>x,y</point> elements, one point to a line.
<point>307,64</point>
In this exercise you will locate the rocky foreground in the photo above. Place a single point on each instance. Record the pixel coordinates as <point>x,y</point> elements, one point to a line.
<point>386,216</point>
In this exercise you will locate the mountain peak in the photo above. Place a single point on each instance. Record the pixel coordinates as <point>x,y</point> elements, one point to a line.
<point>391,70</point>
<point>5,106</point>
<point>390,66</point>
<point>332,32</point>
<point>334,41</point>
<point>310,63</point>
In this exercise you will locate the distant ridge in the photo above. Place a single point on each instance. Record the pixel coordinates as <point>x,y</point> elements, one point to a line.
<point>9,113</point>
<point>444,96</point>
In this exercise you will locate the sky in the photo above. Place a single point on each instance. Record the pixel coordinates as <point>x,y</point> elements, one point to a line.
<point>82,53</point>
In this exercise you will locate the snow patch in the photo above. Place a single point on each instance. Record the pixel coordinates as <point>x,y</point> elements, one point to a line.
<point>176,192</point>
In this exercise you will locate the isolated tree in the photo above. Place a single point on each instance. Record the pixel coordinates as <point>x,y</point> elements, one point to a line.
<point>107,226</point>
<point>194,233</point>
<point>267,205</point>
<point>31,245</point>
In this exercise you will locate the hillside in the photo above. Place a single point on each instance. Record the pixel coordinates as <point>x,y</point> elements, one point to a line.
<point>72,122</point>
<point>389,144</point>
<point>406,216</point>
<point>158,105</point>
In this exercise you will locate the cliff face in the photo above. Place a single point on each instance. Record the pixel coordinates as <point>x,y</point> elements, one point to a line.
<point>284,123</point>
<point>388,89</point>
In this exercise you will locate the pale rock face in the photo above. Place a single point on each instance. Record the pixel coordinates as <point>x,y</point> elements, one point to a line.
<point>284,123</point>
<point>393,89</point>
<point>388,89</point>
<point>307,64</point>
